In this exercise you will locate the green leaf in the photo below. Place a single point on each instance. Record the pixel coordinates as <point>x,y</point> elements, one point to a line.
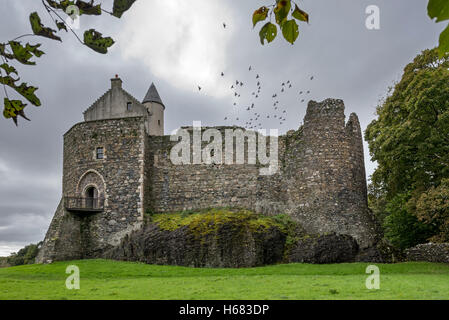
<point>121,6</point>
<point>290,31</point>
<point>438,9</point>
<point>281,11</point>
<point>8,69</point>
<point>89,8</point>
<point>34,49</point>
<point>260,15</point>
<point>24,54</point>
<point>94,40</point>
<point>444,42</point>
<point>61,25</point>
<point>268,32</point>
<point>4,53</point>
<point>25,90</point>
<point>300,15</point>
<point>21,53</point>
<point>12,108</point>
<point>40,30</point>
<point>28,93</point>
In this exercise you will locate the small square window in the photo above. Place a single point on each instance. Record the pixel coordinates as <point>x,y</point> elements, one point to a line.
<point>100,153</point>
<point>129,106</point>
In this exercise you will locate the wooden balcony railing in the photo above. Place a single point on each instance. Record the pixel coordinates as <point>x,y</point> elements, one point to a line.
<point>80,204</point>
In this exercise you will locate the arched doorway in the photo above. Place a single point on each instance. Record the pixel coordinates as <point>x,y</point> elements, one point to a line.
<point>91,195</point>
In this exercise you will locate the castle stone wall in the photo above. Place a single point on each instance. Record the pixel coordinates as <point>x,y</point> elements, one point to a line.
<point>196,186</point>
<point>119,178</point>
<point>321,181</point>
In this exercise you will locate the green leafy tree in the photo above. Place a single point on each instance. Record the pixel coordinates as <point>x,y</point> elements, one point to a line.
<point>432,208</point>
<point>402,227</point>
<point>410,142</point>
<point>26,255</point>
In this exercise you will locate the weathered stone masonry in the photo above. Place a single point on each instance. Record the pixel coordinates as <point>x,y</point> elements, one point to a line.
<point>321,182</point>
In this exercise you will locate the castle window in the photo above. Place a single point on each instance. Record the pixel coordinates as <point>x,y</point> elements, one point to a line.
<point>129,106</point>
<point>100,153</point>
<point>159,122</point>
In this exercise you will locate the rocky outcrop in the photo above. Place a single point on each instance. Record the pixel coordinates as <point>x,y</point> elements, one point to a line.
<point>331,248</point>
<point>431,252</point>
<point>226,239</point>
<point>228,246</point>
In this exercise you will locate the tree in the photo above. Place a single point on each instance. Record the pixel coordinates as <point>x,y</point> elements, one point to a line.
<point>26,255</point>
<point>410,142</point>
<point>432,208</point>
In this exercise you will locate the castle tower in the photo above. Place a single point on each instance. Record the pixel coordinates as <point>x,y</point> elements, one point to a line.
<point>327,171</point>
<point>156,108</point>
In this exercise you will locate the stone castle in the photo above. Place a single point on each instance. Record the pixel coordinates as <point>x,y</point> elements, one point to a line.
<point>116,168</point>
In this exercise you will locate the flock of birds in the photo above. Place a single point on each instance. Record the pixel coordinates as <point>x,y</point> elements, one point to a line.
<point>253,117</point>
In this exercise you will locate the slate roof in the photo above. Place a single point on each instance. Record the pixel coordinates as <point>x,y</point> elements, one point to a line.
<point>153,96</point>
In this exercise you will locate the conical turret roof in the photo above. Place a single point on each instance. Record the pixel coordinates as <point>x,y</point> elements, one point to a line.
<point>153,96</point>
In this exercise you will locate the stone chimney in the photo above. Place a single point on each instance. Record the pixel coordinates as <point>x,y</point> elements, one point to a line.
<point>116,82</point>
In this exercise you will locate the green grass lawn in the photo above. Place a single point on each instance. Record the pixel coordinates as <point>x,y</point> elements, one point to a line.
<point>103,279</point>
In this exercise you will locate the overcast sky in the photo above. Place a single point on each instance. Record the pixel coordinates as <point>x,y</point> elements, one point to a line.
<point>180,45</point>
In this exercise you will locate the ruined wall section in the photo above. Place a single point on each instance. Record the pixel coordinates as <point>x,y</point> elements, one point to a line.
<point>325,174</point>
<point>198,186</point>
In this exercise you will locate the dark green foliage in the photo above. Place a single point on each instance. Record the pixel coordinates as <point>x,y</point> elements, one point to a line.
<point>432,209</point>
<point>281,10</point>
<point>25,255</point>
<point>402,227</point>
<point>410,142</point>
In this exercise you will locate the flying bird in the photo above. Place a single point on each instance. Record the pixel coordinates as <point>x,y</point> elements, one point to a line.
<point>224,25</point>
<point>222,74</point>
<point>199,88</point>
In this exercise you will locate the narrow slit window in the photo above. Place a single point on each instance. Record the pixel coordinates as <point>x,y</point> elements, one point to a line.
<point>159,122</point>
<point>129,106</point>
<point>100,153</point>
